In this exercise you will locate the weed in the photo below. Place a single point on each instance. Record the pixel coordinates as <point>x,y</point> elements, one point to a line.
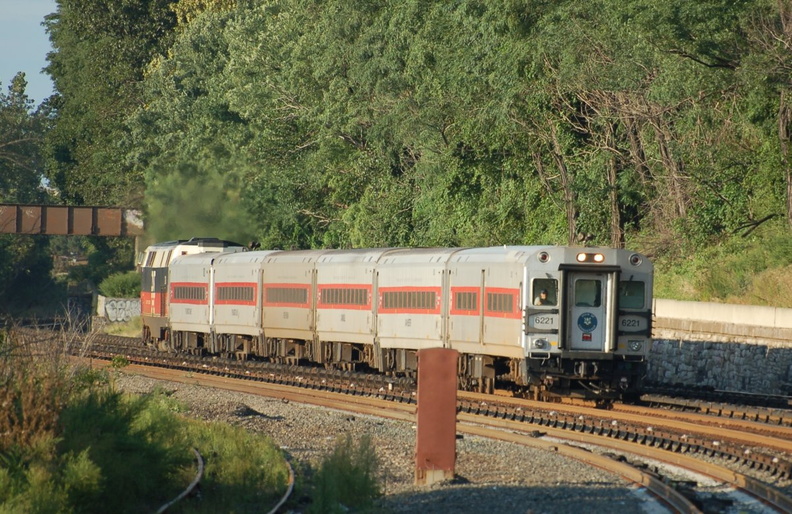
<point>346,479</point>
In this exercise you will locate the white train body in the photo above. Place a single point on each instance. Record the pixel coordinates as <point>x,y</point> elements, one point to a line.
<point>376,308</point>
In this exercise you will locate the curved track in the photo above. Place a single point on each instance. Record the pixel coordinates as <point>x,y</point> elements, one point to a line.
<point>670,436</point>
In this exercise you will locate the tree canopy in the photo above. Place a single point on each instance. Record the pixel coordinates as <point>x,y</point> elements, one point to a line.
<point>336,124</point>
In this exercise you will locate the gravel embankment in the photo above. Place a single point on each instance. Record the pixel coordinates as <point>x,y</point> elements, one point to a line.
<point>492,477</point>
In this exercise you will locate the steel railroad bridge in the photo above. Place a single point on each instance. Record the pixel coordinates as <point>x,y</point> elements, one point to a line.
<point>67,220</point>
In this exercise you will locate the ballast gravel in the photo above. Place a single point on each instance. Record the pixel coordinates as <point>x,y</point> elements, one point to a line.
<point>491,476</point>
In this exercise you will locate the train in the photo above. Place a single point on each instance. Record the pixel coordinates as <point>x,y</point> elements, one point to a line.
<point>542,321</point>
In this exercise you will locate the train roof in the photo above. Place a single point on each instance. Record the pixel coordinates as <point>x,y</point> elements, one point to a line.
<point>303,256</point>
<point>418,255</point>
<point>497,253</point>
<point>198,242</point>
<point>195,259</point>
<point>356,255</point>
<point>245,257</point>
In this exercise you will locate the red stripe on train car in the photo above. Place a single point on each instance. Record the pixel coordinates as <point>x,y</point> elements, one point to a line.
<point>456,310</point>
<point>193,288</point>
<point>494,303</point>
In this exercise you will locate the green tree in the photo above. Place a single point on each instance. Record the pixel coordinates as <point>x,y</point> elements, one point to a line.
<point>21,134</point>
<point>101,49</point>
<point>767,73</point>
<point>24,260</point>
<point>335,125</point>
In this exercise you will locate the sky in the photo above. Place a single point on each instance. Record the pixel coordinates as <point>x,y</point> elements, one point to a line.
<point>24,45</point>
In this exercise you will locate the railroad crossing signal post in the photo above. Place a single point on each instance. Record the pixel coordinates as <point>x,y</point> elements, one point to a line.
<point>435,449</point>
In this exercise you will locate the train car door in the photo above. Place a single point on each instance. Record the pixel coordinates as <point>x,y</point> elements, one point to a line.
<point>589,297</point>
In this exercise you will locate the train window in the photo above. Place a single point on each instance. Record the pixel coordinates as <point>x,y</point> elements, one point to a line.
<point>421,300</point>
<point>294,295</point>
<point>500,302</point>
<point>631,295</point>
<point>189,293</point>
<point>466,301</point>
<point>344,296</point>
<point>550,288</point>
<point>235,293</point>
<point>588,293</point>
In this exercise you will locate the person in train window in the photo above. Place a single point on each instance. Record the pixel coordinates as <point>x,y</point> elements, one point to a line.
<point>542,298</point>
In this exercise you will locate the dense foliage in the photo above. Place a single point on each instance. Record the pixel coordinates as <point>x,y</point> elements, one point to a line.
<point>661,126</point>
<point>24,261</point>
<point>121,285</point>
<point>305,124</point>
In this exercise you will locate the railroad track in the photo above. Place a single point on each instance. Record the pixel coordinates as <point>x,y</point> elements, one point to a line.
<point>652,433</point>
<point>560,440</point>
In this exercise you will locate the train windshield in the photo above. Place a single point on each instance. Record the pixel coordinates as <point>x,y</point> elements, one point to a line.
<point>545,291</point>
<point>632,294</point>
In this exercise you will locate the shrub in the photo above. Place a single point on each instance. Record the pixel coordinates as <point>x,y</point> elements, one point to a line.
<point>121,285</point>
<point>347,478</point>
<point>70,443</point>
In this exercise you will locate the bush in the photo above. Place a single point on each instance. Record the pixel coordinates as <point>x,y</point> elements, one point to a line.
<point>347,478</point>
<point>70,443</point>
<point>121,285</point>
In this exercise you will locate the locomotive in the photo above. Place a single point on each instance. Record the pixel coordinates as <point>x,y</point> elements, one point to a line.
<point>544,321</point>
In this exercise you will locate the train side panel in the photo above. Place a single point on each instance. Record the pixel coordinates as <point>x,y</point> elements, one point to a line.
<point>346,289</point>
<point>238,292</point>
<point>189,292</point>
<point>412,289</point>
<point>486,312</point>
<point>289,292</point>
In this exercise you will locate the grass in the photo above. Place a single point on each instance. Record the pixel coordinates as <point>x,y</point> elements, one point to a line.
<point>131,328</point>
<point>749,271</point>
<point>347,478</point>
<point>70,442</point>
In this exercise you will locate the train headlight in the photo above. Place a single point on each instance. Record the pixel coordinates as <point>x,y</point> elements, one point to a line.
<point>590,257</point>
<point>635,259</point>
<point>540,343</point>
<point>635,346</point>
<point>543,257</point>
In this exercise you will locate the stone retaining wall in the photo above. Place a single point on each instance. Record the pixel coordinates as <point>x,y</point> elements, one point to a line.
<point>731,347</point>
<point>746,367</point>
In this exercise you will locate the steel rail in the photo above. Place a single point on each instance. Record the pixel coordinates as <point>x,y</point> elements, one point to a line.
<point>406,412</point>
<point>288,492</point>
<point>190,487</point>
<point>764,492</point>
<point>660,490</point>
<point>740,431</point>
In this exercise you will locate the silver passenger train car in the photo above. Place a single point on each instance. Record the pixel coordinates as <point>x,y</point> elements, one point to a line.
<point>542,320</point>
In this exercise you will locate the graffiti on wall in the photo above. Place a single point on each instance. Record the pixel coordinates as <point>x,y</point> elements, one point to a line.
<point>120,309</point>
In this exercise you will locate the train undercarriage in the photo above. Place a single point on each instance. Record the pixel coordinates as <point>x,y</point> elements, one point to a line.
<point>546,379</point>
